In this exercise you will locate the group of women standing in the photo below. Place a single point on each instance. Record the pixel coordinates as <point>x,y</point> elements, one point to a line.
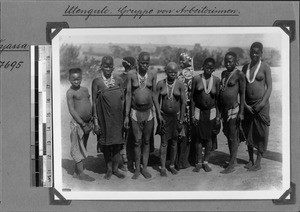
<point>188,109</point>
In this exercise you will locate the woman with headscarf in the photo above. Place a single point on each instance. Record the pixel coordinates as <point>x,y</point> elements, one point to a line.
<point>186,75</point>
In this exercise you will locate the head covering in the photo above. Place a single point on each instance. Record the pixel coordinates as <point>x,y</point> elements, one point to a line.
<point>128,62</point>
<point>186,56</point>
<point>187,72</point>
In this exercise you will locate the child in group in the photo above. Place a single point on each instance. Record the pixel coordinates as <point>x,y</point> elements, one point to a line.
<point>80,109</point>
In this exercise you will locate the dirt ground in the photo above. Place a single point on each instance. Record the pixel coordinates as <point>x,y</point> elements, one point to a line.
<point>268,178</point>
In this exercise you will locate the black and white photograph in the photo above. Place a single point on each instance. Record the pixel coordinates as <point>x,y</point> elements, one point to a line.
<point>171,113</point>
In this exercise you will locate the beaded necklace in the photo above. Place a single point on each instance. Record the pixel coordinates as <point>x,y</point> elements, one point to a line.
<point>142,80</point>
<point>255,73</point>
<point>210,84</point>
<point>109,82</point>
<point>170,87</point>
<point>225,80</point>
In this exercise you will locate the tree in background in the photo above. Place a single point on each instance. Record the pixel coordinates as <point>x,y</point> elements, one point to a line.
<point>218,55</point>
<point>200,53</point>
<point>68,58</point>
<point>117,51</point>
<point>197,48</point>
<point>134,51</point>
<point>72,56</point>
<point>165,54</point>
<point>272,57</point>
<point>120,52</point>
<point>199,58</point>
<point>239,52</point>
<point>90,67</point>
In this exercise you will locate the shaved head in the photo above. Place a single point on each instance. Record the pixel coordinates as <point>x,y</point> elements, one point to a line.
<point>257,45</point>
<point>172,66</point>
<point>144,57</point>
<point>171,71</point>
<point>107,60</point>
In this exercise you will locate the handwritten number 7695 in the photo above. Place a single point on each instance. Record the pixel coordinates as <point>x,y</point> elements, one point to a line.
<point>11,65</point>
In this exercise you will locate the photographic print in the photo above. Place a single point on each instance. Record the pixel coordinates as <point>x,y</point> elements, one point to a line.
<point>171,113</point>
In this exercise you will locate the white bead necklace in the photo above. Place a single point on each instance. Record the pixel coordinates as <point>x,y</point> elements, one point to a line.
<point>255,72</point>
<point>170,86</point>
<point>210,84</point>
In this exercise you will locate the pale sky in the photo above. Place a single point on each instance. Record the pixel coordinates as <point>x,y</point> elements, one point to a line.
<point>217,37</point>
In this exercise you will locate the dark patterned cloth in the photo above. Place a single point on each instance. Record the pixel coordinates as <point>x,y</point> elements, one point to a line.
<point>109,105</point>
<point>186,77</point>
<point>256,127</point>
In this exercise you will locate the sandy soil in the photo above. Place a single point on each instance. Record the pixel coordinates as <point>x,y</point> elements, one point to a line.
<point>269,177</point>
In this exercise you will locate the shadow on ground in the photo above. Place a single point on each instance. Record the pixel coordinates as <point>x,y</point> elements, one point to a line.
<point>221,159</point>
<point>93,164</point>
<point>275,156</point>
<point>97,164</point>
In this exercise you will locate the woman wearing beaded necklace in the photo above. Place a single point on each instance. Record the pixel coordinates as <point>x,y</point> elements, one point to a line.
<point>231,106</point>
<point>108,100</point>
<point>172,101</point>
<point>205,115</point>
<point>140,98</point>
<point>257,106</point>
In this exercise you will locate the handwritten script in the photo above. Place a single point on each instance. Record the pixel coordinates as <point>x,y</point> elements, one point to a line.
<point>11,47</point>
<point>11,65</point>
<point>138,13</point>
<point>6,46</point>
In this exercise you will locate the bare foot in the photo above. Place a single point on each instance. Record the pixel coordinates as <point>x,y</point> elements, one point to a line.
<point>248,165</point>
<point>146,174</point>
<point>206,168</point>
<point>118,174</point>
<point>254,168</point>
<point>173,170</point>
<point>124,167</point>
<point>228,170</point>
<point>197,168</point>
<point>136,175</point>
<point>163,172</point>
<point>108,174</point>
<point>235,164</point>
